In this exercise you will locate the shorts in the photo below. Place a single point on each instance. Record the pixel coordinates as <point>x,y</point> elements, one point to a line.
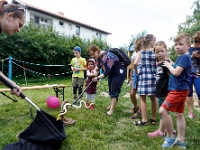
<point>196,82</point>
<point>175,101</point>
<point>135,81</point>
<point>77,82</point>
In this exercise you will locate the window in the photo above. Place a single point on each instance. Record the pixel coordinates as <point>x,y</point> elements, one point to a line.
<point>98,35</point>
<point>70,26</point>
<point>61,24</point>
<point>77,30</point>
<point>37,20</point>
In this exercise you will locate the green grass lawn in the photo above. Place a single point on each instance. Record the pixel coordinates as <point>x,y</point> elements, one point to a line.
<point>93,129</point>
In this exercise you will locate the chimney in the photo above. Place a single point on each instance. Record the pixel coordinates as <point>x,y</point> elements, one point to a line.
<point>61,13</point>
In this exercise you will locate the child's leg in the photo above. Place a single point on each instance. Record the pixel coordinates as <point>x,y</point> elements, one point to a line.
<point>181,126</point>
<point>143,107</point>
<point>167,121</point>
<point>133,92</point>
<point>134,99</point>
<point>161,126</point>
<point>80,85</point>
<point>87,98</point>
<point>92,98</point>
<point>190,100</point>
<point>74,84</point>
<point>153,106</point>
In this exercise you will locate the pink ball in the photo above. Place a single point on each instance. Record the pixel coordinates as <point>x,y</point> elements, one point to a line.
<point>53,102</point>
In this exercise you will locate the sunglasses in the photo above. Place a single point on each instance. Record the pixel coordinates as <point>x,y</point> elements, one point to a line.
<point>14,9</point>
<point>195,41</point>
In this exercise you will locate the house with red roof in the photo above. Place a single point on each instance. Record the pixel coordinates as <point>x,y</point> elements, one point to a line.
<point>61,23</point>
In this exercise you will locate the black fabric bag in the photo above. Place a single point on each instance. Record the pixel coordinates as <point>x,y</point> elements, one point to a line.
<point>122,55</point>
<point>44,133</point>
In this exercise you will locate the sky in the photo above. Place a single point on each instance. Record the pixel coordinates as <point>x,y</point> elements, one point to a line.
<point>124,18</point>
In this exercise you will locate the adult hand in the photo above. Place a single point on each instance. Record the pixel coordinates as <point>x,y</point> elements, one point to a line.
<point>95,79</point>
<point>16,90</point>
<point>196,54</point>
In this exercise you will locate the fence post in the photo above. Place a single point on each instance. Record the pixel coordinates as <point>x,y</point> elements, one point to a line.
<point>10,68</point>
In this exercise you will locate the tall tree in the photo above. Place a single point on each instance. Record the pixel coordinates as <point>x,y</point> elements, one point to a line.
<point>192,22</point>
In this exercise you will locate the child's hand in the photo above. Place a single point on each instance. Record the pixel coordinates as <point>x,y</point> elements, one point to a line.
<point>75,69</point>
<point>95,73</point>
<point>166,64</point>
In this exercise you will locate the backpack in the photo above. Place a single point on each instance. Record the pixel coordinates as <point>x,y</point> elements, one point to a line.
<point>122,55</point>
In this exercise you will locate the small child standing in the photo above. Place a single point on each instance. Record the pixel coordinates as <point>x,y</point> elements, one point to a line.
<point>78,65</point>
<point>178,91</point>
<point>162,79</point>
<point>133,88</point>
<point>91,87</point>
<point>146,78</point>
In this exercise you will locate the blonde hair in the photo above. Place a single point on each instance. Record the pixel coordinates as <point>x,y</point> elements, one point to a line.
<point>138,43</point>
<point>159,44</point>
<point>183,36</point>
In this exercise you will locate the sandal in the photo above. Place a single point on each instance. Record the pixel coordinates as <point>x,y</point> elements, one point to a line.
<point>136,115</point>
<point>152,121</point>
<point>140,123</point>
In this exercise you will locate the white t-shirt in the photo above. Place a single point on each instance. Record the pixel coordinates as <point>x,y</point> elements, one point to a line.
<point>134,55</point>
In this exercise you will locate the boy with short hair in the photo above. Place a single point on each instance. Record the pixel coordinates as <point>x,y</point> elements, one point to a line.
<point>178,90</point>
<point>78,66</point>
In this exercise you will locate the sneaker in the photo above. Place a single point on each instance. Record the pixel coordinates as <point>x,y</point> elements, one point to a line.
<point>87,104</point>
<point>169,142</point>
<point>180,144</point>
<point>92,107</point>
<point>191,115</point>
<point>155,134</point>
<point>136,115</point>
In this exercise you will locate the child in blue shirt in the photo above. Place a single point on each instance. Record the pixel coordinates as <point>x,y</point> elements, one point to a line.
<point>178,91</point>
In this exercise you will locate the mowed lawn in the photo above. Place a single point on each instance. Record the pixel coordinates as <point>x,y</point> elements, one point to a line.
<point>93,130</point>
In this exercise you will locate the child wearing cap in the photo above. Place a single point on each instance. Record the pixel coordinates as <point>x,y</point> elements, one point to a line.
<point>90,87</point>
<point>78,65</point>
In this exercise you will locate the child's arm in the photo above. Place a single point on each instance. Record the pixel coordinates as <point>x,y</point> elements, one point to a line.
<point>136,61</point>
<point>91,74</point>
<point>175,71</point>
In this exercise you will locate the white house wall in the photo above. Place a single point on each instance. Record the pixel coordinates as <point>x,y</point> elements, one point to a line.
<point>85,33</point>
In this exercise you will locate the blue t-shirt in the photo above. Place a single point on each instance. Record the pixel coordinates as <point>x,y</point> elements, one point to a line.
<point>181,82</point>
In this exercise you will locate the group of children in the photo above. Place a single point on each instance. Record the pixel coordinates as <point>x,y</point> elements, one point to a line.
<point>154,76</point>
<point>158,77</point>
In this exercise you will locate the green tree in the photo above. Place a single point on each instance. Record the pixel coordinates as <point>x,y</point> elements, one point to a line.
<point>38,45</point>
<point>190,26</point>
<point>192,22</point>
